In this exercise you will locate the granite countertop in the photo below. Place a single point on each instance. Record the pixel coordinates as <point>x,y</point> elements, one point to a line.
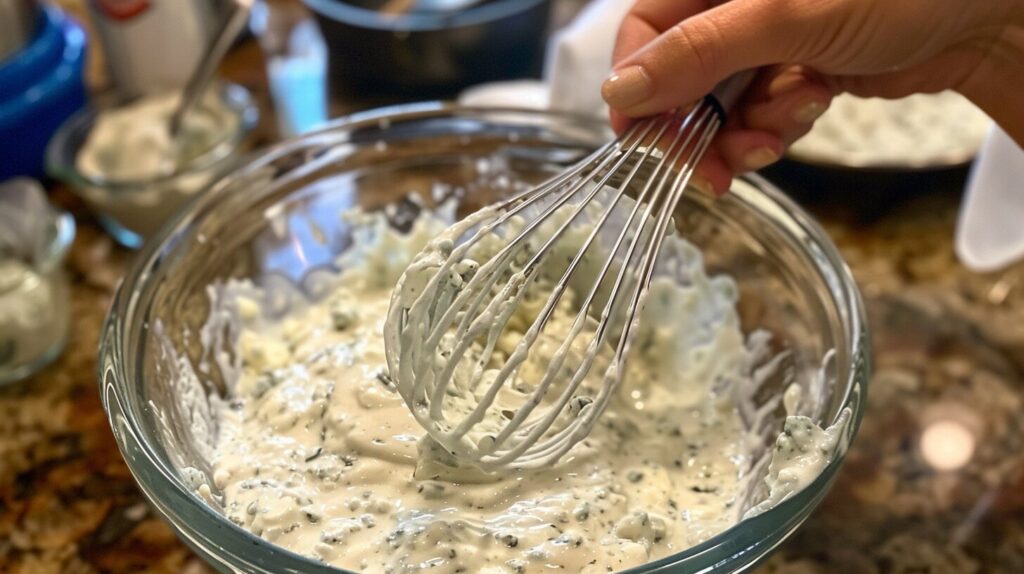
<point>949,353</point>
<point>949,358</point>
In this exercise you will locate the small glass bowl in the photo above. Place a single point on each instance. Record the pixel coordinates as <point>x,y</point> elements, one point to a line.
<point>35,302</point>
<point>133,210</point>
<point>277,219</point>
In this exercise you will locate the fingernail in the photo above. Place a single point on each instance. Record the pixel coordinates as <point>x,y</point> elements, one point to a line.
<point>785,83</point>
<point>809,112</point>
<point>627,88</point>
<point>760,157</point>
<point>702,185</point>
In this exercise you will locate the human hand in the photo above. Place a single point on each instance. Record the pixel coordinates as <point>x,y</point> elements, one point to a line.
<point>671,52</point>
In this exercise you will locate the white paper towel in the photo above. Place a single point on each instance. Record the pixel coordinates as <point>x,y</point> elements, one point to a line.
<point>580,57</point>
<point>990,230</point>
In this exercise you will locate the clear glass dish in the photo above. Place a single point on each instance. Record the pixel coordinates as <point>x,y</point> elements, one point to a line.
<point>792,283</point>
<point>35,300</point>
<point>133,210</point>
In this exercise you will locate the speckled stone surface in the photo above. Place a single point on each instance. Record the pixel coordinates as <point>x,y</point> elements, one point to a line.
<point>67,501</point>
<point>935,480</point>
<point>949,356</point>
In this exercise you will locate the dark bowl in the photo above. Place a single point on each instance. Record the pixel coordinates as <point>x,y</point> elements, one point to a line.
<point>862,195</point>
<point>422,54</point>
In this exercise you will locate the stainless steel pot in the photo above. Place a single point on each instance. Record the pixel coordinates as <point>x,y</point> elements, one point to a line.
<point>430,53</point>
<point>18,20</point>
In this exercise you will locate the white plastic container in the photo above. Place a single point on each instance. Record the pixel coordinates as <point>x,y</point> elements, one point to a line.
<point>152,45</point>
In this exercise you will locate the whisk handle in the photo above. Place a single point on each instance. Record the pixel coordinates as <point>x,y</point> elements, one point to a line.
<point>728,92</point>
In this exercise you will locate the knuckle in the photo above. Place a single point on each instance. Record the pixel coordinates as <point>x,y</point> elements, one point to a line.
<point>701,38</point>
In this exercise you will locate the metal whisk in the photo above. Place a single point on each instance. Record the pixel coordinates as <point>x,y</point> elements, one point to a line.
<point>449,313</point>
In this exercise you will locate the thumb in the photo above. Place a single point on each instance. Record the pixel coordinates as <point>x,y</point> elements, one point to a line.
<point>686,61</point>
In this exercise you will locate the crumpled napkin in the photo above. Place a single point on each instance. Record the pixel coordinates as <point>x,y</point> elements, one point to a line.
<point>990,229</point>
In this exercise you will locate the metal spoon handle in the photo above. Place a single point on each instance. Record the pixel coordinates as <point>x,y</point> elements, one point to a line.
<point>231,26</point>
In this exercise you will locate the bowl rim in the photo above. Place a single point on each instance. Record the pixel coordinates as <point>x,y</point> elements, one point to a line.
<point>344,12</point>
<point>61,160</point>
<point>176,498</point>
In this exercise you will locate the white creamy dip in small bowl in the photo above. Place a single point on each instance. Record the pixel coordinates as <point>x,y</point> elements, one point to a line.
<point>918,132</point>
<point>123,162</point>
<point>259,308</point>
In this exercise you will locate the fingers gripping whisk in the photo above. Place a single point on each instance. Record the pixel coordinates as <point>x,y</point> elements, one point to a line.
<point>509,334</point>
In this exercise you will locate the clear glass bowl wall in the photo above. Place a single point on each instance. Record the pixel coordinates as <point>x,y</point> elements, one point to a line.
<point>791,279</point>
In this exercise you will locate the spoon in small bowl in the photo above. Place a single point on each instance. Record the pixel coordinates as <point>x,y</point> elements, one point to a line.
<point>231,26</point>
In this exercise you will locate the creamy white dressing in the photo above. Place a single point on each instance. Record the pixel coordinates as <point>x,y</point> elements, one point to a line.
<point>317,452</point>
<point>801,453</point>
<point>152,173</point>
<point>134,143</point>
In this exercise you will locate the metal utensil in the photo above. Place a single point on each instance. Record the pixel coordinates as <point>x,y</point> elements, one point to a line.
<point>231,26</point>
<point>448,326</point>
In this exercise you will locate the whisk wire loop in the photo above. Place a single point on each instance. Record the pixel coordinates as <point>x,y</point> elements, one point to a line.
<point>660,175</point>
<point>528,272</point>
<point>482,284</point>
<point>556,446</point>
<point>447,366</point>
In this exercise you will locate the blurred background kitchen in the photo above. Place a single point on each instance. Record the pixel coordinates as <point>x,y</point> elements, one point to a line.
<point>89,171</point>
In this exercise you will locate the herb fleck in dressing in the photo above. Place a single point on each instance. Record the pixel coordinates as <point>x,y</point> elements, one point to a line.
<point>317,451</point>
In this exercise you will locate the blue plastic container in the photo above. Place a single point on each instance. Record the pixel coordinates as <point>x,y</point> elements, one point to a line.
<point>40,87</point>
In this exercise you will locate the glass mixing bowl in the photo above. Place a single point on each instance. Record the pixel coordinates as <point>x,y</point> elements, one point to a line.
<point>277,219</point>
